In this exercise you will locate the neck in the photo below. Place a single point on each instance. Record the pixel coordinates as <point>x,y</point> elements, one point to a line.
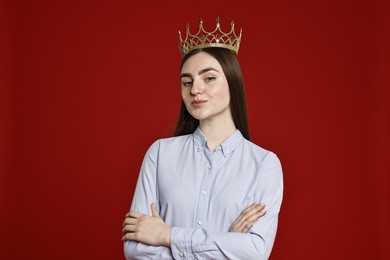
<point>217,132</point>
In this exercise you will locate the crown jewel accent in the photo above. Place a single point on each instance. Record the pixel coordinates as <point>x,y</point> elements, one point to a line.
<point>204,39</point>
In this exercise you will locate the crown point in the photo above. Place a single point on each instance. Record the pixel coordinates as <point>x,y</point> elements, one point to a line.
<point>215,38</point>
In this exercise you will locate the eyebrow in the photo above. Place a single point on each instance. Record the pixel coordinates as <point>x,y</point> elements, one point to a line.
<point>183,75</point>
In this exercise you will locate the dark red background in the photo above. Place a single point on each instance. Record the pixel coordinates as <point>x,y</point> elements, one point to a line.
<point>88,86</point>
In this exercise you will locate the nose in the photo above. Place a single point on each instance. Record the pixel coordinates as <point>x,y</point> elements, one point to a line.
<point>196,88</point>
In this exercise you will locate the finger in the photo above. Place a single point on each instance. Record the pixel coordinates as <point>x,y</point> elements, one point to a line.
<point>256,216</point>
<point>129,228</point>
<point>252,214</point>
<point>249,222</point>
<point>250,218</point>
<point>243,215</point>
<point>249,208</point>
<point>133,214</point>
<point>154,210</point>
<point>129,221</point>
<point>255,207</point>
<point>246,227</point>
<point>130,218</point>
<point>125,230</point>
<point>128,237</point>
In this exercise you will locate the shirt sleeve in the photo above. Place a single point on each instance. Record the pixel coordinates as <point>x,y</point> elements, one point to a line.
<point>145,194</point>
<point>190,243</point>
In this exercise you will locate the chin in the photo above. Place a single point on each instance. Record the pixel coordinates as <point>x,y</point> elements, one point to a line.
<point>199,116</point>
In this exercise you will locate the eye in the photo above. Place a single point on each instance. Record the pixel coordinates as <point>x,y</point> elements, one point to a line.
<point>211,78</point>
<point>186,83</point>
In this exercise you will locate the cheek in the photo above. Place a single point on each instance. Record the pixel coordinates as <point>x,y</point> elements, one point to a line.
<point>184,94</point>
<point>222,94</point>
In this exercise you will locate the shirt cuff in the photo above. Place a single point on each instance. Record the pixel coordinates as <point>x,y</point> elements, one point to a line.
<point>181,243</point>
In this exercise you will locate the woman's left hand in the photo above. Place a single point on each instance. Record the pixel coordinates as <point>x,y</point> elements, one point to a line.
<point>150,230</point>
<point>248,217</point>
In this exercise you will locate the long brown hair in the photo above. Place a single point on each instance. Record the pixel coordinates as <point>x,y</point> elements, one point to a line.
<point>186,124</point>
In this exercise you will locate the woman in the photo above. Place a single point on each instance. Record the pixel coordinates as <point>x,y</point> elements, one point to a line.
<point>198,194</point>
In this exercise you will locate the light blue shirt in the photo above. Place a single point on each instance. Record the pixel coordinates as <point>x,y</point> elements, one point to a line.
<point>200,195</point>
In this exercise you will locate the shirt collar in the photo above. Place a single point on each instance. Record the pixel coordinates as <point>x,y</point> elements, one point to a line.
<point>228,146</point>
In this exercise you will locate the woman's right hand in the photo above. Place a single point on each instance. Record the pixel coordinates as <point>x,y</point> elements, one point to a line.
<point>248,217</point>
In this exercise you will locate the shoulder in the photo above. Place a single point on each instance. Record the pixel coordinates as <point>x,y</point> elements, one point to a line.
<point>166,147</point>
<point>169,143</point>
<point>267,165</point>
<point>260,154</point>
<point>175,140</point>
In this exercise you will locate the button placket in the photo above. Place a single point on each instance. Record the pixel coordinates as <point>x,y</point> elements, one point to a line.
<point>201,220</point>
<point>203,203</point>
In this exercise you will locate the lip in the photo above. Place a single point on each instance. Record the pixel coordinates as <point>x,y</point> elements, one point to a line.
<point>198,103</point>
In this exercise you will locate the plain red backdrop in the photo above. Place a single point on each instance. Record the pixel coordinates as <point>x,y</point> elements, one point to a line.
<point>87,86</point>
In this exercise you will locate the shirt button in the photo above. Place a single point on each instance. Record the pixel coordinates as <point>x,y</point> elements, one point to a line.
<point>204,193</point>
<point>199,149</point>
<point>209,166</point>
<point>227,151</point>
<point>199,222</point>
<point>181,254</point>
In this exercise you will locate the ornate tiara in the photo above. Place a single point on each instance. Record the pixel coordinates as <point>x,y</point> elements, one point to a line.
<point>204,39</point>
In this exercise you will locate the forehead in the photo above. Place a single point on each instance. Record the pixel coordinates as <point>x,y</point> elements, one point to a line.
<point>200,61</point>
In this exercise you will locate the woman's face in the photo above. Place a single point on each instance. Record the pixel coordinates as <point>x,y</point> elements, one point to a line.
<point>205,90</point>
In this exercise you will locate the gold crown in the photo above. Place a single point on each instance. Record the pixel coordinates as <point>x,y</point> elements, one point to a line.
<point>204,39</point>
